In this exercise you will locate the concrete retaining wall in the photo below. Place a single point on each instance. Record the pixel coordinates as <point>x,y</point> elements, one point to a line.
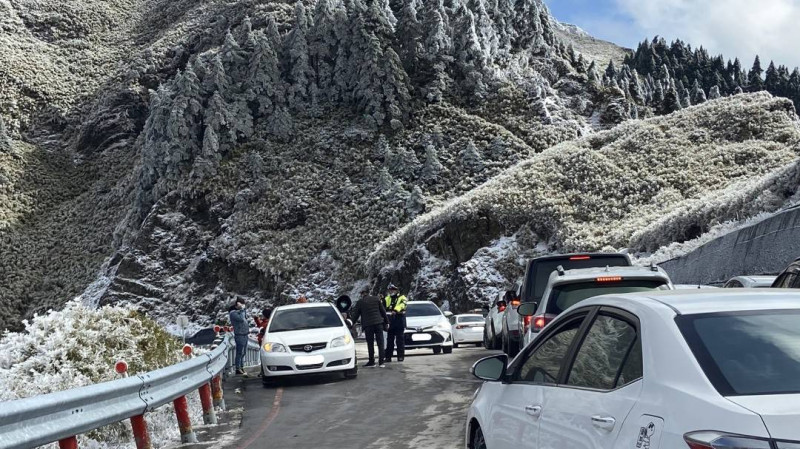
<point>763,248</point>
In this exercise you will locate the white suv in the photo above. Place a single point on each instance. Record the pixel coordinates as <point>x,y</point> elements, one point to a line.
<point>569,287</point>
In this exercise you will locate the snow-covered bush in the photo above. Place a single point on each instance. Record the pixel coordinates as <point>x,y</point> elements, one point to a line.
<point>78,346</point>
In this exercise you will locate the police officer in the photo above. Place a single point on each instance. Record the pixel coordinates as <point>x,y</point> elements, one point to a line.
<point>396,305</point>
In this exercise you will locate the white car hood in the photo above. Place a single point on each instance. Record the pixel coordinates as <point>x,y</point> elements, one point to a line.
<point>780,412</point>
<point>306,336</point>
<point>424,321</point>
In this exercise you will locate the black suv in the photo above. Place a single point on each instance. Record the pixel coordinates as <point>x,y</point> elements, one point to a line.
<point>790,278</point>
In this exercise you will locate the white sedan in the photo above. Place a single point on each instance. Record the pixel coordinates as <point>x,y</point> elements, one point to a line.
<point>307,339</point>
<point>686,369</point>
<point>467,329</point>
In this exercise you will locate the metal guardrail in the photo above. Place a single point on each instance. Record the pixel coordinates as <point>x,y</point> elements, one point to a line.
<point>251,356</point>
<point>35,421</point>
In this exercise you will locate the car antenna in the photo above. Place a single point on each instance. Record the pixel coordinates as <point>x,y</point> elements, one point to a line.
<point>560,270</point>
<point>653,266</point>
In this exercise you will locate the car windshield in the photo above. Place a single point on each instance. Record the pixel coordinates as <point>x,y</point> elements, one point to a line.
<point>747,353</point>
<point>471,319</point>
<point>565,296</point>
<point>424,309</point>
<point>544,268</point>
<point>304,318</point>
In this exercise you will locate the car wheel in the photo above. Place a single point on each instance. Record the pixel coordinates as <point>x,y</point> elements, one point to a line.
<point>437,350</point>
<point>513,348</point>
<point>478,345</point>
<point>447,349</point>
<point>455,345</point>
<point>351,373</point>
<point>478,441</point>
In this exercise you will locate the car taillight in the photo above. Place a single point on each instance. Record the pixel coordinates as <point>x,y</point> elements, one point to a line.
<point>515,303</point>
<point>540,322</point>
<point>461,326</point>
<point>526,323</point>
<point>720,440</point>
<point>608,279</point>
<point>580,258</point>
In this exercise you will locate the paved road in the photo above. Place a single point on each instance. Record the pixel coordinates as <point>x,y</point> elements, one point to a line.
<point>419,403</point>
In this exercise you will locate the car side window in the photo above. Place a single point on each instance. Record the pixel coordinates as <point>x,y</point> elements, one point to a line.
<point>544,363</point>
<point>734,284</point>
<point>788,280</point>
<point>607,354</point>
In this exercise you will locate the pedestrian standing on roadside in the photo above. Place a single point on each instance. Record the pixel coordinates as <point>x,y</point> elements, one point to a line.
<point>262,322</point>
<point>396,305</point>
<point>373,322</point>
<point>241,330</point>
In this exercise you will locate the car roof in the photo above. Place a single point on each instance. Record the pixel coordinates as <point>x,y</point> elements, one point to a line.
<point>584,274</point>
<point>308,305</point>
<point>690,302</point>
<point>421,302</point>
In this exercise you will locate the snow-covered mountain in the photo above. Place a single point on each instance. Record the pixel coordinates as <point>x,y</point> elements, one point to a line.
<point>171,153</point>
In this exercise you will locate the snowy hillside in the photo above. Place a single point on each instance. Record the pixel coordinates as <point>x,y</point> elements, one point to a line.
<point>641,185</point>
<point>168,154</point>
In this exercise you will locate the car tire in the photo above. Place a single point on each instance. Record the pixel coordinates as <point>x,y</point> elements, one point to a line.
<point>437,350</point>
<point>455,345</point>
<point>478,441</point>
<point>447,349</point>
<point>351,373</point>
<point>478,345</point>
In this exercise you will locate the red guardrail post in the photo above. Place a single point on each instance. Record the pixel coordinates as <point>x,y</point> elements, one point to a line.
<point>184,421</point>
<point>68,443</point>
<point>216,390</point>
<point>140,433</point>
<point>209,416</point>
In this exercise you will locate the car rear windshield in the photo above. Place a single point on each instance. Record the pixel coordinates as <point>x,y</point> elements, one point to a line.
<point>305,318</point>
<point>565,296</point>
<point>471,319</point>
<point>747,353</point>
<point>422,310</point>
<point>541,270</point>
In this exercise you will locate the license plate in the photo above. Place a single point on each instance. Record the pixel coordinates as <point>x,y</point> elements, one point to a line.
<point>302,360</point>
<point>421,337</point>
<point>476,329</point>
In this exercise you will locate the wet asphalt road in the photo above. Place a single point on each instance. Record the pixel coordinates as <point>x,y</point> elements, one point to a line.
<point>419,403</point>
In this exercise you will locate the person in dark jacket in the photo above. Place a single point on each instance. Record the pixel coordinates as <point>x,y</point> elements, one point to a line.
<point>373,321</point>
<point>241,330</point>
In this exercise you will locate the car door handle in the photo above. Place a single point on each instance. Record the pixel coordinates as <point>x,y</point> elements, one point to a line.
<point>604,422</point>
<point>534,410</point>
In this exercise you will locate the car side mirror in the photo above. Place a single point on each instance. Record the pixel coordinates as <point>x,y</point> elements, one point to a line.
<point>448,314</point>
<point>491,369</point>
<point>343,303</point>
<point>527,309</point>
<point>349,322</point>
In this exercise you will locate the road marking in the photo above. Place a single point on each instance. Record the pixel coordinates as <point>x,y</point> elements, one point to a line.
<point>276,407</point>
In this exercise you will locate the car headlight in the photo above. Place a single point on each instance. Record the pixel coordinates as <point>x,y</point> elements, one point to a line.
<point>274,347</point>
<point>341,341</point>
<point>443,326</point>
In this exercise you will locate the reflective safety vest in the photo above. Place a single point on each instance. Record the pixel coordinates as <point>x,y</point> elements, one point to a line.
<point>396,304</point>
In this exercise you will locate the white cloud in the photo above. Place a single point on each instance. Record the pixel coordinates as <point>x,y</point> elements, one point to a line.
<point>740,28</point>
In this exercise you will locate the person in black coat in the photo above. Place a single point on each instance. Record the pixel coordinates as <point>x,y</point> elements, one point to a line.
<point>373,321</point>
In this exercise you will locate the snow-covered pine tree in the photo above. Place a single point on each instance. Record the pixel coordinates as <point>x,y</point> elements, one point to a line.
<point>672,100</point>
<point>471,158</point>
<point>698,94</point>
<point>415,204</point>
<point>183,128</point>
<point>5,138</point>
<point>527,25</point>
<point>385,180</point>
<point>403,162</point>
<point>409,30</point>
<point>220,118</point>
<point>502,13</point>
<point>487,34</point>
<point>297,69</point>
<point>246,36</point>
<point>432,168</point>
<point>387,9</point>
<point>382,88</point>
<point>215,78</point>
<point>714,93</point>
<point>738,90</point>
<point>323,45</point>
<point>233,57</point>
<point>155,145</point>
<point>686,98</point>
<point>754,81</point>
<point>437,46</point>
<point>263,80</point>
<point>381,150</point>
<point>772,81</point>
<point>470,60</point>
<point>615,110</point>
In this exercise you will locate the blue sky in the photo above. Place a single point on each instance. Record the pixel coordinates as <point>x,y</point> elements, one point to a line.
<point>735,28</point>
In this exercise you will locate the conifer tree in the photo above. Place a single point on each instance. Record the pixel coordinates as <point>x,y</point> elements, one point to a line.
<point>215,79</point>
<point>672,100</point>
<point>436,54</point>
<point>323,46</point>
<point>502,13</point>
<point>297,69</point>
<point>470,59</point>
<point>409,30</point>
<point>233,56</point>
<point>487,34</point>
<point>772,81</point>
<point>754,80</point>
<point>471,158</point>
<point>263,79</point>
<point>433,168</point>
<point>714,93</point>
<point>527,25</point>
<point>184,121</point>
<point>381,149</point>
<point>698,94</point>
<point>415,204</point>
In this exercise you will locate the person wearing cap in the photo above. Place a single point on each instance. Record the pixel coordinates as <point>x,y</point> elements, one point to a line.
<point>396,305</point>
<point>241,330</point>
